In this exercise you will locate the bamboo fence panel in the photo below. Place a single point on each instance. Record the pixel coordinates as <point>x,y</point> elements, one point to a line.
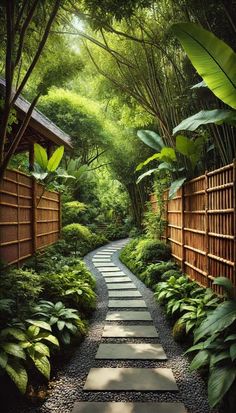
<point>29,217</point>
<point>201,226</point>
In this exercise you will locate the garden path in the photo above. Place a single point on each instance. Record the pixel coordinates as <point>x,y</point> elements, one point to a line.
<point>127,347</point>
<point>129,334</point>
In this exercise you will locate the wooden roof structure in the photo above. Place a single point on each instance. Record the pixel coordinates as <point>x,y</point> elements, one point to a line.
<point>40,129</point>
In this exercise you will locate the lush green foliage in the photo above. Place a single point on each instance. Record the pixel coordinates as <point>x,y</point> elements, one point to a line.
<point>215,342</point>
<point>145,258</point>
<point>32,326</point>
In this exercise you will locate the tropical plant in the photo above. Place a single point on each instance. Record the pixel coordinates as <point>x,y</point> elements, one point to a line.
<point>46,170</point>
<point>174,291</point>
<point>214,60</point>
<point>197,308</point>
<point>65,322</point>
<point>170,162</point>
<point>217,348</point>
<point>19,345</point>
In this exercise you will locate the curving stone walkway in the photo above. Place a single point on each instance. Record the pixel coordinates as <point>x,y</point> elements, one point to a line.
<point>126,303</point>
<point>129,362</point>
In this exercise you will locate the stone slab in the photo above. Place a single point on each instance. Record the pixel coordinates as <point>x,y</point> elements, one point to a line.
<point>128,379</point>
<point>125,294</point>
<point>105,264</point>
<point>128,407</point>
<point>141,331</point>
<point>126,304</point>
<point>131,351</point>
<point>113,274</point>
<point>101,260</point>
<point>102,254</point>
<point>112,280</point>
<point>109,269</point>
<point>120,286</point>
<point>128,316</point>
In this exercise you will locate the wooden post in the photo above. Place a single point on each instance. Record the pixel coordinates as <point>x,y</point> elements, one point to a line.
<point>59,214</point>
<point>234,221</point>
<point>34,215</point>
<point>31,158</point>
<point>18,220</point>
<point>182,230</point>
<point>207,226</point>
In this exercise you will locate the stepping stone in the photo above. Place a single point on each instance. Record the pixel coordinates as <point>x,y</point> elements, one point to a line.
<point>105,264</point>
<point>131,352</point>
<point>121,279</point>
<point>106,269</point>
<point>126,304</point>
<point>109,250</point>
<point>125,294</point>
<point>128,379</point>
<point>128,316</point>
<point>121,286</point>
<point>128,407</point>
<point>101,260</point>
<point>113,274</point>
<point>143,331</point>
<point>102,254</point>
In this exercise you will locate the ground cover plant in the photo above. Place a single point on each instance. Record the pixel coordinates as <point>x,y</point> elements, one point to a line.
<point>202,322</point>
<point>45,307</point>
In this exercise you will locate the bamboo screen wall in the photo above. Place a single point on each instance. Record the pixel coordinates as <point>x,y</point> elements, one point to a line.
<point>29,217</point>
<point>201,225</point>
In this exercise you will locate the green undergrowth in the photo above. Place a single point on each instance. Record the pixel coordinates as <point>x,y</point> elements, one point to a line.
<point>45,307</point>
<point>202,321</point>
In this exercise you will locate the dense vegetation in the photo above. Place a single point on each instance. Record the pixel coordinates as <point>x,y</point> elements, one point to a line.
<point>202,321</point>
<point>44,307</point>
<point>134,83</point>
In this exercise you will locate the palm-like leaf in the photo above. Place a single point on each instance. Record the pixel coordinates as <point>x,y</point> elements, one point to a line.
<point>205,117</point>
<point>214,60</point>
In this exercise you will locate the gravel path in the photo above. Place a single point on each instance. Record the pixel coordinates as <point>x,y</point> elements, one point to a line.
<point>67,387</point>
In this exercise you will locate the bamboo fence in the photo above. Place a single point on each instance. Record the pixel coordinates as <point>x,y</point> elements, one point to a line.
<point>201,226</point>
<point>29,217</point>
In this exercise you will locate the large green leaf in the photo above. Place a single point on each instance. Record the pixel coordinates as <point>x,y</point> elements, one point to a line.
<point>220,381</point>
<point>13,349</point>
<point>205,117</point>
<point>201,359</point>
<point>55,159</point>
<point>48,337</point>
<point>40,324</point>
<point>184,145</point>
<point>18,375</point>
<point>226,284</point>
<point>214,60</point>
<point>3,359</point>
<point>41,156</point>
<point>43,365</point>
<point>222,317</point>
<point>42,349</point>
<point>175,186</point>
<point>148,173</point>
<point>151,139</point>
<point>147,161</point>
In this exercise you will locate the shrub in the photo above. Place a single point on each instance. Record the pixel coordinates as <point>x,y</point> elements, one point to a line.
<point>113,232</point>
<point>65,322</point>
<point>72,211</point>
<point>170,273</point>
<point>151,251</point>
<point>75,233</point>
<point>21,286</point>
<point>215,343</point>
<point>153,273</point>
